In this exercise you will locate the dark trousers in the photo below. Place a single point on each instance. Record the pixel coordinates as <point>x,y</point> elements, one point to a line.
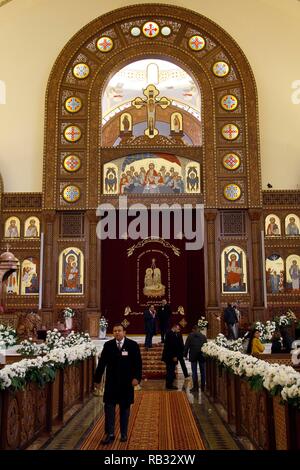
<point>148,340</point>
<point>183,366</point>
<point>163,331</point>
<point>110,413</point>
<point>170,377</point>
<point>195,373</point>
<point>231,331</point>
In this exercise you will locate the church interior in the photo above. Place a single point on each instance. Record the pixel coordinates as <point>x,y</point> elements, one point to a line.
<point>157,157</point>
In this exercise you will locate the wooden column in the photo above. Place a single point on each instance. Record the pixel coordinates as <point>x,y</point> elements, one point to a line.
<point>94,270</point>
<point>257,275</point>
<point>92,259</point>
<point>211,281</point>
<point>49,275</point>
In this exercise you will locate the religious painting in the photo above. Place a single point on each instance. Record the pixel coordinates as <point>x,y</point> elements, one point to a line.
<point>272,226</point>
<point>110,179</point>
<point>293,273</point>
<point>151,173</point>
<point>29,276</point>
<point>274,274</point>
<point>153,271</point>
<point>176,123</point>
<point>12,227</point>
<point>125,123</point>
<point>152,281</point>
<point>234,270</point>
<point>71,276</point>
<point>12,283</point>
<point>292,225</point>
<point>32,227</point>
<point>192,177</point>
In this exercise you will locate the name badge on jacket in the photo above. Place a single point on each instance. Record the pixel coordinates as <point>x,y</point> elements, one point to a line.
<point>124,353</point>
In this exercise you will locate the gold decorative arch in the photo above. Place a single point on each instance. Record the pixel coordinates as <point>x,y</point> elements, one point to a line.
<point>175,47</point>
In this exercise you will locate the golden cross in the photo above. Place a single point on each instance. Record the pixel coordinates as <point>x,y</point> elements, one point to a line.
<point>151,102</point>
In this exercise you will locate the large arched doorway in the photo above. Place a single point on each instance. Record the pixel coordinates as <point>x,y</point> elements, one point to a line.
<point>82,147</point>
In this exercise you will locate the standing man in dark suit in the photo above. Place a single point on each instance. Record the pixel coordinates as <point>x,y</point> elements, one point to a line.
<point>230,319</point>
<point>150,325</point>
<point>192,347</point>
<point>164,316</point>
<point>170,355</point>
<point>122,359</point>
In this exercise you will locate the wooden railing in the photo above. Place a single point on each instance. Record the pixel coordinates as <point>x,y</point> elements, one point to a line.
<point>257,415</point>
<point>32,412</point>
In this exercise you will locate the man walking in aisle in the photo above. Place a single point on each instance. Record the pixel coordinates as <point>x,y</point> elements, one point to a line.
<point>122,360</point>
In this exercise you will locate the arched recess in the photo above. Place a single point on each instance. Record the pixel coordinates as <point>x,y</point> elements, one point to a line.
<point>184,24</point>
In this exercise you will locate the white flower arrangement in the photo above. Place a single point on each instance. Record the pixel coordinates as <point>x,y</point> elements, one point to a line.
<point>283,320</point>
<point>287,319</point>
<point>29,348</point>
<point>277,379</point>
<point>266,330</point>
<point>233,345</point>
<point>43,369</point>
<point>103,323</point>
<point>202,323</point>
<point>69,313</point>
<point>8,336</point>
<point>54,340</point>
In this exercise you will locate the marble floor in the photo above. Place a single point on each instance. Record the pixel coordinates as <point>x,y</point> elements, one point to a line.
<point>215,433</point>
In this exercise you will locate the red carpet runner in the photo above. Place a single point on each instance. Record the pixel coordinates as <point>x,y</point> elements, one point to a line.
<point>158,421</point>
<point>153,367</point>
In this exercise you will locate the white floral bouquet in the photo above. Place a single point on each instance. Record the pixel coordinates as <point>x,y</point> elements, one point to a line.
<point>68,312</point>
<point>29,348</point>
<point>233,345</point>
<point>8,336</point>
<point>283,320</point>
<point>266,330</point>
<point>54,340</point>
<point>202,323</point>
<point>42,370</point>
<point>103,323</point>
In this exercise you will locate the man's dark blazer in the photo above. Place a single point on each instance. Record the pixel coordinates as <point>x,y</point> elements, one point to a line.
<point>172,347</point>
<point>121,369</point>
<point>164,313</point>
<point>150,323</point>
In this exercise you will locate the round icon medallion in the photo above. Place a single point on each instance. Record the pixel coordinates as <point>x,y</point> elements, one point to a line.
<point>135,31</point>
<point>232,192</point>
<point>166,31</point>
<point>105,44</point>
<point>230,131</point>
<point>231,161</point>
<point>150,29</point>
<point>220,69</point>
<point>81,71</point>
<point>71,163</point>
<point>73,104</point>
<point>72,133</point>
<point>229,102</point>
<point>197,43</point>
<point>71,193</point>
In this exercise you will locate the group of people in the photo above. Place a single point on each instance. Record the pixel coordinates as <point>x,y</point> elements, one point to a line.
<point>175,350</point>
<point>163,314</point>
<point>281,342</point>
